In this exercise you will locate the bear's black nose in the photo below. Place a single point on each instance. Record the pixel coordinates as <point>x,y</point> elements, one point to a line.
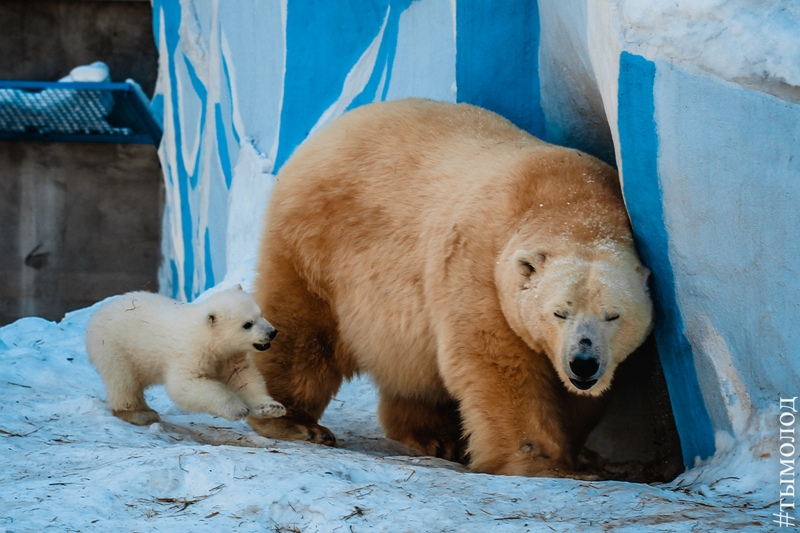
<point>586,342</point>
<point>584,368</point>
<point>271,333</point>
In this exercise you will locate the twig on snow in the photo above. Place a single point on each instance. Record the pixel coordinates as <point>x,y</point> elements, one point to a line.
<point>357,512</point>
<point>11,434</point>
<point>186,502</point>
<point>291,529</point>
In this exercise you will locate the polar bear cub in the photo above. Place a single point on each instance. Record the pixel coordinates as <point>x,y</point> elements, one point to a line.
<point>201,351</point>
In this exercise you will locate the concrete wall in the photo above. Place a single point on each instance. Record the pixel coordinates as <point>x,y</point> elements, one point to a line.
<point>45,39</point>
<point>81,222</point>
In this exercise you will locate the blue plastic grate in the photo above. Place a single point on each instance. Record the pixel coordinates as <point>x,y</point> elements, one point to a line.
<point>75,112</point>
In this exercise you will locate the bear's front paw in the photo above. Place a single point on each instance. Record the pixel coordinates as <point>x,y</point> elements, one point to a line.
<point>290,429</point>
<point>233,411</point>
<point>270,410</point>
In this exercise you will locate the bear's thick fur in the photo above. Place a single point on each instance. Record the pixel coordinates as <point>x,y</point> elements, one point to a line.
<point>487,282</point>
<point>200,351</point>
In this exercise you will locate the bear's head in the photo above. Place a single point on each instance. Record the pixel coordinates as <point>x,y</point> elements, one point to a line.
<point>234,319</point>
<point>585,305</point>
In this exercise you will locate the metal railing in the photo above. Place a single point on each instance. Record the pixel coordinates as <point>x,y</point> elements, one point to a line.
<point>76,112</point>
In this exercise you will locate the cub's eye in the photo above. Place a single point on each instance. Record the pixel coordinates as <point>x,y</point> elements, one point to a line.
<point>562,315</point>
<point>612,318</point>
<point>248,325</point>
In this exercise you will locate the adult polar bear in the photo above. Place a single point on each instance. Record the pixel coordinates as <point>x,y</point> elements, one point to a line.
<point>486,280</point>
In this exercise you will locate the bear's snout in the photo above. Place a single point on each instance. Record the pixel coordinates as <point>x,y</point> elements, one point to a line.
<point>584,369</point>
<point>271,332</point>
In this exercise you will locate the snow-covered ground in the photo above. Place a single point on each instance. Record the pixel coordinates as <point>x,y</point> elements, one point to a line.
<point>69,465</point>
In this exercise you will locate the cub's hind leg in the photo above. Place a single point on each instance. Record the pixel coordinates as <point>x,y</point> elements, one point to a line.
<point>126,397</point>
<point>140,416</point>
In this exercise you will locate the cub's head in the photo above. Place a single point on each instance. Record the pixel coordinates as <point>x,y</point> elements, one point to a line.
<point>234,318</point>
<point>587,311</point>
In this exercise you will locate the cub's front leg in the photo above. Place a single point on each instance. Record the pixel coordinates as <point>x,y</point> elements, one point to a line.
<point>246,381</point>
<point>195,394</point>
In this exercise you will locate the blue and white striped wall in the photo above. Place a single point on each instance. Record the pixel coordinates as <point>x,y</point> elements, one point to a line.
<point>710,163</point>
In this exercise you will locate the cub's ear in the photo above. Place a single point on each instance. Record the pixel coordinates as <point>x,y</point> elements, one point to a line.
<point>212,319</point>
<point>527,262</point>
<point>644,271</point>
<point>238,286</point>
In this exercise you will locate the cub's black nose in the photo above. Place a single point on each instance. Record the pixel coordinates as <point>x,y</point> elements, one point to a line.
<point>584,369</point>
<point>271,333</point>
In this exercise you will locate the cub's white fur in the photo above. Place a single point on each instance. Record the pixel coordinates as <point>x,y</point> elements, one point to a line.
<point>200,351</point>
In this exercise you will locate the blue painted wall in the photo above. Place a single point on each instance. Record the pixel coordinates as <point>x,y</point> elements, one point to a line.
<point>323,41</point>
<point>639,146</point>
<point>498,47</point>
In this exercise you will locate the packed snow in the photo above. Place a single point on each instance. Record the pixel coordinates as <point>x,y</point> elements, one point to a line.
<point>71,466</point>
<point>738,40</point>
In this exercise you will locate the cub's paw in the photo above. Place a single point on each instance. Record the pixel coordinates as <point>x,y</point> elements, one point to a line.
<point>289,429</point>
<point>270,410</point>
<point>233,411</point>
<point>144,417</point>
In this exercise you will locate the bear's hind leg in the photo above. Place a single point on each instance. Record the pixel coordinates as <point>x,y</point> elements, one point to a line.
<point>431,428</point>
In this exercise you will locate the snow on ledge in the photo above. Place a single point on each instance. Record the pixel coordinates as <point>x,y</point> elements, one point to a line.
<point>751,43</point>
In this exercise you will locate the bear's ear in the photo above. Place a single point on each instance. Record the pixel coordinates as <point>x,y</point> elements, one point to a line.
<point>527,262</point>
<point>238,286</point>
<point>212,319</point>
<point>644,271</point>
